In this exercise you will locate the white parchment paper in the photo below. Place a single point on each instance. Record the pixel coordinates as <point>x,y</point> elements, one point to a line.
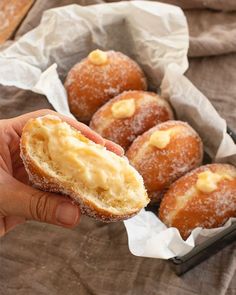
<point>156,36</point>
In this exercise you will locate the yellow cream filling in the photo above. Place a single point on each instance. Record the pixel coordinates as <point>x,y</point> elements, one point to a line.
<point>160,138</point>
<point>85,163</point>
<point>123,108</point>
<point>98,57</point>
<point>207,181</point>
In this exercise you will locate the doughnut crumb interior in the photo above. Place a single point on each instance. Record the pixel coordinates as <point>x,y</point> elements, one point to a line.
<point>58,158</point>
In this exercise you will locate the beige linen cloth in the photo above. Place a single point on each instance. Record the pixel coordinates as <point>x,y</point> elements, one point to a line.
<point>94,258</point>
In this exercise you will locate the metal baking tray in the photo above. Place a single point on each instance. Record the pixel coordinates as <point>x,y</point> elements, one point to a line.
<point>206,249</point>
<point>211,246</point>
<point>203,251</point>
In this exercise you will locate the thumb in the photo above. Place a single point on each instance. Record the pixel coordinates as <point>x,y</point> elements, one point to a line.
<point>18,199</point>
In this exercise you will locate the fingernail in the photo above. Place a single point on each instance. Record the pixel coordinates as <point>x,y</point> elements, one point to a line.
<point>122,151</point>
<point>67,214</point>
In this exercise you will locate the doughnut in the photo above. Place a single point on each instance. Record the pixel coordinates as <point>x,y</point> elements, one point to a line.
<point>99,77</point>
<point>205,197</point>
<point>130,114</point>
<point>58,158</point>
<point>165,153</point>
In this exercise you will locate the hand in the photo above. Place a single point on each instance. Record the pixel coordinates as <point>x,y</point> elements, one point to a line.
<point>19,201</point>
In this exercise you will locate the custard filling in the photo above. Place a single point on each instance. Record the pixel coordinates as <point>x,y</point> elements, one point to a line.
<point>123,109</point>
<point>160,138</point>
<point>98,57</point>
<point>89,168</point>
<point>207,181</point>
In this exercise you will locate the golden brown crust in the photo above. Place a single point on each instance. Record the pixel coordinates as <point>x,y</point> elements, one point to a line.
<point>90,86</point>
<point>150,110</point>
<point>160,167</point>
<point>207,210</point>
<point>41,180</point>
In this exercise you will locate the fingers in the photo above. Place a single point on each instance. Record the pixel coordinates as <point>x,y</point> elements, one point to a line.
<point>13,221</point>
<point>84,129</point>
<point>2,227</point>
<point>19,123</point>
<point>18,199</point>
<point>9,222</point>
<point>115,148</point>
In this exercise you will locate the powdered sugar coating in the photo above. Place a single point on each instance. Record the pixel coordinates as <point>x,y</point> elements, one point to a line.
<point>150,109</point>
<point>89,86</point>
<point>208,210</point>
<point>160,167</point>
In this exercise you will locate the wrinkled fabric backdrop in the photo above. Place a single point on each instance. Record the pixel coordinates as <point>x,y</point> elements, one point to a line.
<point>94,258</point>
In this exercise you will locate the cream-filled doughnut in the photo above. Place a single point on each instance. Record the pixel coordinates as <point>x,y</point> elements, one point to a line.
<point>58,158</point>
<point>205,197</point>
<point>164,153</point>
<point>130,114</point>
<point>99,77</point>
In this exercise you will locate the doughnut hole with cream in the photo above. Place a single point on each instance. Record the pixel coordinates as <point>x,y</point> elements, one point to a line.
<point>99,77</point>
<point>130,114</point>
<point>205,197</point>
<point>164,153</point>
<point>59,158</point>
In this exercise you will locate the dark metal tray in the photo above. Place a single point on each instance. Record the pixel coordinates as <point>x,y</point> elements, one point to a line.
<point>203,251</point>
<point>206,249</point>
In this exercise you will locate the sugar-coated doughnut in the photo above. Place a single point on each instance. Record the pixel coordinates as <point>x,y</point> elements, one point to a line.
<point>98,78</point>
<point>165,153</point>
<point>130,114</point>
<point>58,158</point>
<point>205,197</point>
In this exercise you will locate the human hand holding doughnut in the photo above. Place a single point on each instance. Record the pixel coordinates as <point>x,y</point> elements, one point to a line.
<point>18,200</point>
